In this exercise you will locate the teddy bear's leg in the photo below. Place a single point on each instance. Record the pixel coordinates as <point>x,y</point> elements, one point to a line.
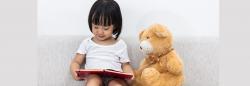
<point>150,75</point>
<point>176,81</point>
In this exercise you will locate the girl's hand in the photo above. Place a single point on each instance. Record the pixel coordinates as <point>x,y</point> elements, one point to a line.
<point>132,77</point>
<point>75,75</point>
<point>130,81</point>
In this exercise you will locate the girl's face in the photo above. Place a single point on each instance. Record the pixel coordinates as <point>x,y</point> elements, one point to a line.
<point>102,33</point>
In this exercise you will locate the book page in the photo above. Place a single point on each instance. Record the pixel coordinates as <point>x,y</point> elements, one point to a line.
<point>85,72</point>
<point>106,73</point>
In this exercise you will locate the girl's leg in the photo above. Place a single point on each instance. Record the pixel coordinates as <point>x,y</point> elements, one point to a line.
<point>94,80</point>
<point>117,82</point>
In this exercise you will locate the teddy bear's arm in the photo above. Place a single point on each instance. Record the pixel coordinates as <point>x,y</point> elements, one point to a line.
<point>138,81</point>
<point>173,64</point>
<point>144,64</point>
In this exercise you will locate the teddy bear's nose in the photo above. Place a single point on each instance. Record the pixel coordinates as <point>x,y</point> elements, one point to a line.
<point>140,47</point>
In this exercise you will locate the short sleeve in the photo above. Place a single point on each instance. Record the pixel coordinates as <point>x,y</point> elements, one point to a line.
<point>123,53</point>
<point>82,48</point>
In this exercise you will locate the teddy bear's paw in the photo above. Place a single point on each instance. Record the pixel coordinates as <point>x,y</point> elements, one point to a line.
<point>150,75</point>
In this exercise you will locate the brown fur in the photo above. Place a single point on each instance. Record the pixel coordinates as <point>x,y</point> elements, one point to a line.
<point>162,67</point>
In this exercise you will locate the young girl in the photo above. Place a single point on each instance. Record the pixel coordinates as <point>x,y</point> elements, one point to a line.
<point>103,50</point>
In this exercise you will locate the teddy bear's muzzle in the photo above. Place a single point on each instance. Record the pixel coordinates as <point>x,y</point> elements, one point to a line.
<point>146,47</point>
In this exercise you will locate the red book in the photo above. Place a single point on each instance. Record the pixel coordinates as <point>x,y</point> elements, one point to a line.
<point>104,72</point>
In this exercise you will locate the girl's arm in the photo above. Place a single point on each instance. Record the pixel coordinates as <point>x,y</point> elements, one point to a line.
<point>76,63</point>
<point>126,67</point>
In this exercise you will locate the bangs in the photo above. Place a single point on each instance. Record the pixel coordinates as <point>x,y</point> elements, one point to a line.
<point>103,16</point>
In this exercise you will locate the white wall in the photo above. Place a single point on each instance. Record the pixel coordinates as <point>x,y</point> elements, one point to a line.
<point>184,17</point>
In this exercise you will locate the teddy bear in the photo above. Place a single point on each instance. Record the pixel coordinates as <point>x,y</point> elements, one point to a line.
<point>162,66</point>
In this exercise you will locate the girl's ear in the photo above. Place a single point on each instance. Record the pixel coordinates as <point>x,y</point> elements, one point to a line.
<point>141,34</point>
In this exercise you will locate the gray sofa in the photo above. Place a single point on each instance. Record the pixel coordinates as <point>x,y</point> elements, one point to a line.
<point>199,54</point>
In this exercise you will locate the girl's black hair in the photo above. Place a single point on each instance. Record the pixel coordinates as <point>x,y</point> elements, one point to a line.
<point>106,12</point>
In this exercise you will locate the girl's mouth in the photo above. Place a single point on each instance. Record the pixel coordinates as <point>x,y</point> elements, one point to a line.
<point>101,36</point>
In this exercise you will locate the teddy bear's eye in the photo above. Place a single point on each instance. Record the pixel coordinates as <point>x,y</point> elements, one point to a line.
<point>147,37</point>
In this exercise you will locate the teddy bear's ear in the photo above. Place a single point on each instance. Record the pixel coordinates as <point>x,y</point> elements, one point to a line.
<point>160,30</point>
<point>141,34</point>
<point>161,34</point>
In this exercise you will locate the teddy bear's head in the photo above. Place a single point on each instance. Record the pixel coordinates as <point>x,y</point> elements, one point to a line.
<point>156,40</point>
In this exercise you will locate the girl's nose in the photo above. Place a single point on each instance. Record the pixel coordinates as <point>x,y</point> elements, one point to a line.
<point>100,31</point>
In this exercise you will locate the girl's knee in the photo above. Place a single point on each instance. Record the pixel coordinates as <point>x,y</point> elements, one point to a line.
<point>94,80</point>
<point>117,82</point>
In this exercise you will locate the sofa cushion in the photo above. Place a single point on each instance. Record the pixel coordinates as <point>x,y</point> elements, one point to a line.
<point>199,55</point>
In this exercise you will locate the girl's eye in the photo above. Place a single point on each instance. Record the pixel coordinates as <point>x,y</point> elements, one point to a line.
<point>96,27</point>
<point>106,28</point>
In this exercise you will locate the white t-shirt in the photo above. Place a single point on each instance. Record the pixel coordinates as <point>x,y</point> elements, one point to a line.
<point>104,56</point>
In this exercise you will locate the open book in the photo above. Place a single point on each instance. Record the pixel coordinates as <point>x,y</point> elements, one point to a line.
<point>104,72</point>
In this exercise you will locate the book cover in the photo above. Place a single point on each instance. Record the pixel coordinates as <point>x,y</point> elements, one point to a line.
<point>104,72</point>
